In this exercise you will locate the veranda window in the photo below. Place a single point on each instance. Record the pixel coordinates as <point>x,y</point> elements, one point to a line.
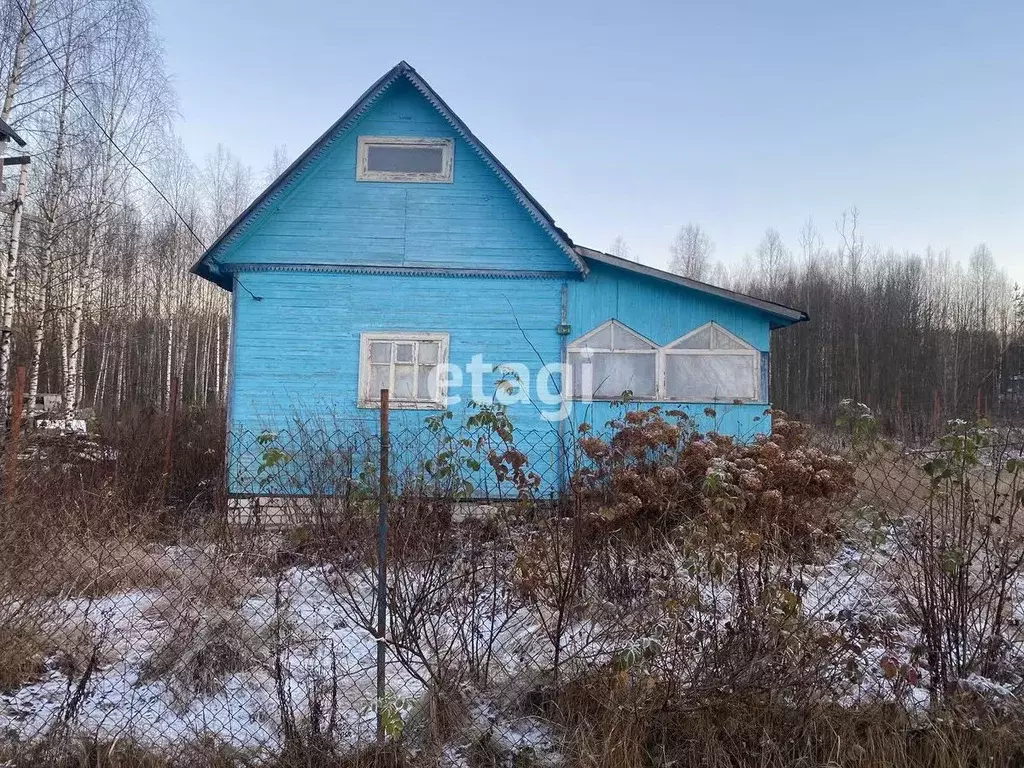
<point>710,364</point>
<point>611,360</point>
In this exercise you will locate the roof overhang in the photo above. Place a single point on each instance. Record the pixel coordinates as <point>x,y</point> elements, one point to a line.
<point>6,132</point>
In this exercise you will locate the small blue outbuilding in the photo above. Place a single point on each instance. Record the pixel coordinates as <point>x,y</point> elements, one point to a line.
<point>397,252</point>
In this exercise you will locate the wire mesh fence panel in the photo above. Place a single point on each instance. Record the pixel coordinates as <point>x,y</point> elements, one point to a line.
<point>635,598</point>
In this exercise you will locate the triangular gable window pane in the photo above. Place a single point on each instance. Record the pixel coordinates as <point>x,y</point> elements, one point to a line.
<point>625,339</point>
<point>601,339</point>
<point>710,336</point>
<point>723,340</point>
<point>700,339</point>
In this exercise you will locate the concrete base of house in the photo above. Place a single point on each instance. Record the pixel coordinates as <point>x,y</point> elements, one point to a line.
<point>281,512</point>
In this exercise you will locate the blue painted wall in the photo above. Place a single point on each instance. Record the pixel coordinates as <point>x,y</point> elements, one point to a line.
<point>659,310</point>
<point>296,350</point>
<point>327,217</point>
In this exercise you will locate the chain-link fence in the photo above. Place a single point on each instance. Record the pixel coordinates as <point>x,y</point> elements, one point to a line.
<point>667,599</point>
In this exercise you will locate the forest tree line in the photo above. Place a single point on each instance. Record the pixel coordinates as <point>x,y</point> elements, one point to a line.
<point>919,338</point>
<point>97,303</point>
<point>104,312</point>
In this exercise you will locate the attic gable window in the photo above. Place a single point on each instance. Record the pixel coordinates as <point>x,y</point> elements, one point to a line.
<point>397,159</point>
<point>408,365</point>
<point>710,364</point>
<point>610,360</point>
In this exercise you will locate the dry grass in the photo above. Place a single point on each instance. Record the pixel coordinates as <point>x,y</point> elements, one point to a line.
<point>610,724</point>
<point>25,643</point>
<point>124,753</point>
<point>205,644</point>
<point>91,566</point>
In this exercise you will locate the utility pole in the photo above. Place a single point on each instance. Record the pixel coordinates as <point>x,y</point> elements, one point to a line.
<point>7,134</point>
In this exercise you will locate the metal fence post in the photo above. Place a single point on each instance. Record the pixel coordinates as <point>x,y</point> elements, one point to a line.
<point>382,567</point>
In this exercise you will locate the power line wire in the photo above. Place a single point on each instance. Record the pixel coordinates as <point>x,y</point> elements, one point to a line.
<point>110,138</point>
<point>103,130</point>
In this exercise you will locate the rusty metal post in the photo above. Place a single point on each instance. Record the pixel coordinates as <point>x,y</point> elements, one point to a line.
<point>17,408</point>
<point>172,413</point>
<point>382,563</point>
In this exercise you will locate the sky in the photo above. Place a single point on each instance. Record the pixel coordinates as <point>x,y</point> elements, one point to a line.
<point>632,118</point>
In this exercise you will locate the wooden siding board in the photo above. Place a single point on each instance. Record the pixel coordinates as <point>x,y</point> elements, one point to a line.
<point>742,422</point>
<point>660,311</point>
<point>330,218</point>
<point>298,348</point>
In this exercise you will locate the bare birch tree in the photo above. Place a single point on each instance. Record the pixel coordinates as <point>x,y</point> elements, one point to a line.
<point>691,252</point>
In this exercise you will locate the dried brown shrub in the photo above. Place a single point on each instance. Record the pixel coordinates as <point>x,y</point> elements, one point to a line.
<point>655,471</point>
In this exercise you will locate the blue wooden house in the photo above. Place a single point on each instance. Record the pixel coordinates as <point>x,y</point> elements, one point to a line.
<point>397,252</point>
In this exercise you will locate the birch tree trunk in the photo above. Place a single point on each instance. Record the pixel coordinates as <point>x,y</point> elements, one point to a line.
<point>101,375</point>
<point>122,354</point>
<point>79,284</point>
<point>170,362</point>
<point>216,360</point>
<point>10,282</point>
<point>39,329</point>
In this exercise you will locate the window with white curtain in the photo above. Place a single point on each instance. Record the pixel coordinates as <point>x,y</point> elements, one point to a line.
<point>408,365</point>
<point>611,360</point>
<point>710,364</point>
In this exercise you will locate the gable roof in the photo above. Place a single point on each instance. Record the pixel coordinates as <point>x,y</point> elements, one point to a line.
<point>206,266</point>
<point>787,315</point>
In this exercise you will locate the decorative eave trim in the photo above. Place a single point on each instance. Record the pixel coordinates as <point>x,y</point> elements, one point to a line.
<point>291,175</point>
<point>377,269</point>
<point>207,265</point>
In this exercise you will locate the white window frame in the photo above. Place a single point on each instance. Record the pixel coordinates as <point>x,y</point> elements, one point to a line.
<point>745,350</point>
<point>363,173</point>
<point>369,399</point>
<point>661,352</point>
<point>581,344</point>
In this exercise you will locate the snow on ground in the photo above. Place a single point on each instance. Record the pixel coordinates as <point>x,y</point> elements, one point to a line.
<point>328,657</point>
<point>322,644</point>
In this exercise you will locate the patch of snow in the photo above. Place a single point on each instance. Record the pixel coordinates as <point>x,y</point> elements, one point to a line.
<point>65,426</point>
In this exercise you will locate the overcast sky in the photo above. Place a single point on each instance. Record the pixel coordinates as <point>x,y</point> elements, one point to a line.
<point>633,118</point>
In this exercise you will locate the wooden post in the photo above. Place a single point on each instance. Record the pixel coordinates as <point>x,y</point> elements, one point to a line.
<point>169,445</point>
<point>17,408</point>
<point>382,567</point>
